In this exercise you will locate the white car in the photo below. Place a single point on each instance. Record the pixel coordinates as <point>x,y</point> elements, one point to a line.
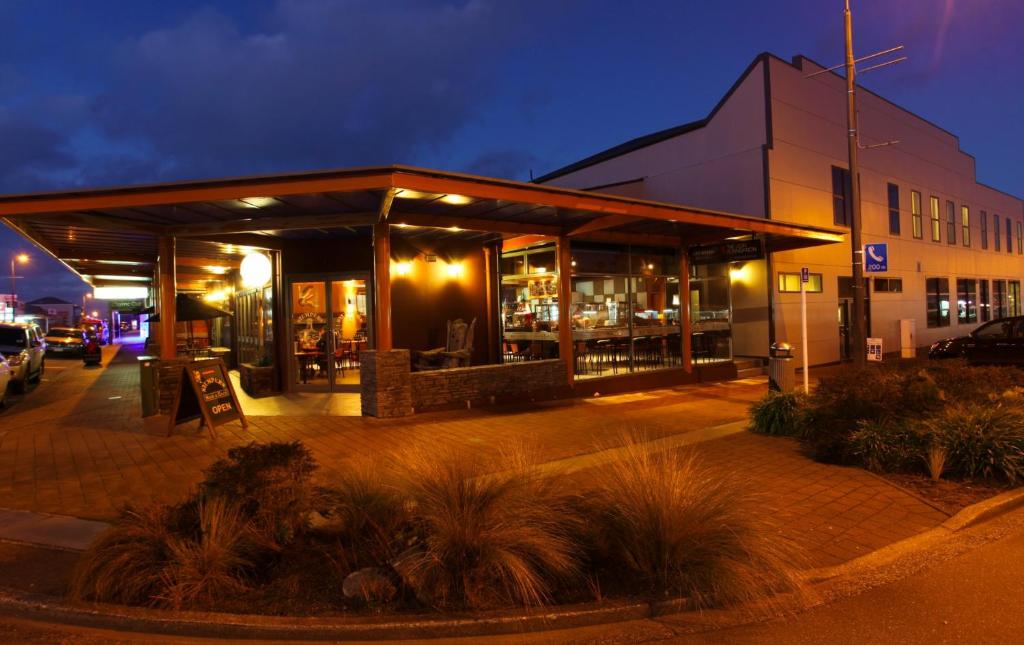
<point>5,379</point>
<point>25,350</point>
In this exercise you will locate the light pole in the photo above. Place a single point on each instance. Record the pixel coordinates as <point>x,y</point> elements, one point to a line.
<point>859,328</point>
<point>85,296</point>
<point>21,258</point>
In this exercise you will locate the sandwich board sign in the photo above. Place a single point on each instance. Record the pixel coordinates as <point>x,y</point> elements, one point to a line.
<point>205,392</point>
<point>875,349</point>
<point>876,258</point>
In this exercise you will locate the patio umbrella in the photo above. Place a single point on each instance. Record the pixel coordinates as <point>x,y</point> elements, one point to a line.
<point>188,309</point>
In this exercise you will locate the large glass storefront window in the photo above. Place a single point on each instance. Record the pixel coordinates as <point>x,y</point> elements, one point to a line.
<point>529,304</point>
<point>329,328</point>
<point>625,310</point>
<point>710,307</point>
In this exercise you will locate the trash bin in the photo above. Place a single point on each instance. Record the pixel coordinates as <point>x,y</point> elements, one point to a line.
<point>148,378</point>
<point>781,370</point>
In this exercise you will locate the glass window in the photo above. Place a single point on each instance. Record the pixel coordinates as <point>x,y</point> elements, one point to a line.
<point>936,223</point>
<point>994,330</point>
<point>710,321</point>
<point>889,285</point>
<point>529,304</point>
<point>995,231</point>
<point>938,301</point>
<point>894,209</point>
<point>600,258</point>
<point>841,196</point>
<point>965,224</point>
<point>998,299</point>
<point>790,283</point>
<point>950,222</point>
<point>984,230</point>
<point>1013,298</point>
<point>984,306</point>
<point>1009,235</point>
<point>966,301</point>
<point>1020,239</point>
<point>915,214</point>
<point>653,261</point>
<point>513,263</point>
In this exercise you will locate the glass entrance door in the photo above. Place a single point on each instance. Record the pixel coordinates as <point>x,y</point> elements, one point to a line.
<point>329,328</point>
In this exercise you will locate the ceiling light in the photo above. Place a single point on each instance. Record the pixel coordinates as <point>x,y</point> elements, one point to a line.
<point>456,200</point>
<point>405,193</point>
<point>122,278</point>
<point>120,293</point>
<point>255,270</point>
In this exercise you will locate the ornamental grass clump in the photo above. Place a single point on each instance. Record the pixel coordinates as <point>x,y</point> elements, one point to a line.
<point>488,532</point>
<point>144,559</point>
<point>983,441</point>
<point>778,413</point>
<point>368,512</point>
<point>678,528</point>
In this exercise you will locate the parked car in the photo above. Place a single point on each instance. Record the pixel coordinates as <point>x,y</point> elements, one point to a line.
<point>5,380</point>
<point>950,347</point>
<point>65,341</point>
<point>95,328</point>
<point>998,342</point>
<point>25,350</point>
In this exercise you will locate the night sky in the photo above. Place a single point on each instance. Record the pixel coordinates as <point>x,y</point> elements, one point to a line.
<point>112,92</point>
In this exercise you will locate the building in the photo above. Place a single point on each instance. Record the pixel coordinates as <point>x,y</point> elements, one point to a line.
<point>56,312</point>
<point>356,280</point>
<point>775,147</point>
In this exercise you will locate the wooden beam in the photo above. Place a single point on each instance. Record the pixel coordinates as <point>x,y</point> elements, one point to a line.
<point>684,312</point>
<point>645,239</point>
<point>524,241</point>
<point>168,299</point>
<point>385,204</point>
<point>472,223</point>
<point>490,288</point>
<point>99,222</point>
<point>285,223</point>
<point>566,350</point>
<point>600,224</point>
<point>265,242</point>
<point>25,230</point>
<point>382,285</point>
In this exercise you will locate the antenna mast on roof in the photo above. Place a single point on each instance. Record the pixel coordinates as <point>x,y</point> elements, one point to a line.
<point>859,331</point>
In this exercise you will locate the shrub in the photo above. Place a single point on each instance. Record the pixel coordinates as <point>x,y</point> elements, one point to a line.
<point>485,538</point>
<point>868,394</point>
<point>973,384</point>
<point>271,483</point>
<point>778,414</point>
<point>983,440</point>
<point>678,527</point>
<point>126,563</point>
<point>887,445</point>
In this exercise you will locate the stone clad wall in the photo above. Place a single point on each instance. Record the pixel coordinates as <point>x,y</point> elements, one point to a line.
<point>384,383</point>
<point>485,384</point>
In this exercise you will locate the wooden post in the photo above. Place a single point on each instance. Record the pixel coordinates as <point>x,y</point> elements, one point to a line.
<point>168,297</point>
<point>684,310</point>
<point>566,351</point>
<point>493,341</point>
<point>382,285</point>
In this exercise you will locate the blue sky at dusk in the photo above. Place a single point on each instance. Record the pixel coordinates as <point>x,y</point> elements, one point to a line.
<point>113,92</point>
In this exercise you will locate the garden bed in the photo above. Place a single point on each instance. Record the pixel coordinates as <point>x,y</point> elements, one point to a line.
<point>950,496</point>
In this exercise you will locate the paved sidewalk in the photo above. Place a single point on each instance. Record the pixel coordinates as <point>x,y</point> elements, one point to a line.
<point>77,446</point>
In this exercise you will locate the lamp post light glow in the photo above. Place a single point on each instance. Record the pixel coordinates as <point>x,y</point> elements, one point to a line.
<point>21,258</point>
<point>255,270</point>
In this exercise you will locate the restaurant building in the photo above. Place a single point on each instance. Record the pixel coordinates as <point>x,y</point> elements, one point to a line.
<point>775,147</point>
<point>420,289</point>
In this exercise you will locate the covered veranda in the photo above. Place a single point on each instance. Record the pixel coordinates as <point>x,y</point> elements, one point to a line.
<point>570,290</point>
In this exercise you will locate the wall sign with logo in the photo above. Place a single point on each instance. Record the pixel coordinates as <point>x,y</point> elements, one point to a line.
<point>732,251</point>
<point>205,392</point>
<point>876,258</point>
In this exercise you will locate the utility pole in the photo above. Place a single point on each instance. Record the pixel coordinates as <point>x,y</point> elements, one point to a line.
<point>859,340</point>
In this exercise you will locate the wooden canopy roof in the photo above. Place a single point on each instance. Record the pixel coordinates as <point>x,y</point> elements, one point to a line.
<point>101,234</point>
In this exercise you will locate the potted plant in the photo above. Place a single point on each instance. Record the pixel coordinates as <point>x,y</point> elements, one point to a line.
<point>259,378</point>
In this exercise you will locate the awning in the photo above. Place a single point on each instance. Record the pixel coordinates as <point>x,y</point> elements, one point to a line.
<point>112,233</point>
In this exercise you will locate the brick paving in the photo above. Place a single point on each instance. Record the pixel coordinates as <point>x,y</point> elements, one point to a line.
<point>77,445</point>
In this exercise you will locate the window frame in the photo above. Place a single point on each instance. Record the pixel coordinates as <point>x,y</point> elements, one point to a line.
<point>1009,235</point>
<point>984,230</point>
<point>950,222</point>
<point>984,301</point>
<point>784,288</point>
<point>934,213</point>
<point>916,216</point>
<point>966,293</point>
<point>842,190</point>
<point>996,233</point>
<point>889,283</point>
<point>934,293</point>
<point>1020,238</point>
<point>893,197</point>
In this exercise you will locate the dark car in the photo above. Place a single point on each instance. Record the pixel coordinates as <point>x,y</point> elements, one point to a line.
<point>950,347</point>
<point>998,342</point>
<point>65,341</point>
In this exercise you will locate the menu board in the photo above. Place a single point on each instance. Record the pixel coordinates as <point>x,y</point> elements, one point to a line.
<point>205,392</point>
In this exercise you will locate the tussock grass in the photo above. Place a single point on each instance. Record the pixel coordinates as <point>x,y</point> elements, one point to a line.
<point>370,513</point>
<point>492,532</point>
<point>681,528</point>
<point>126,563</point>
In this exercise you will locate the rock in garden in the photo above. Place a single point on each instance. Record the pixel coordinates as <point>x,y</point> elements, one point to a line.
<point>369,584</point>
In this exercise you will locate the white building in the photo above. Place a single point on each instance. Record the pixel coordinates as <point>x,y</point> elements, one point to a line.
<point>775,146</point>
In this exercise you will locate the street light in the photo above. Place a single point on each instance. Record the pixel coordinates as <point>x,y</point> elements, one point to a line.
<point>85,296</point>
<point>21,258</point>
